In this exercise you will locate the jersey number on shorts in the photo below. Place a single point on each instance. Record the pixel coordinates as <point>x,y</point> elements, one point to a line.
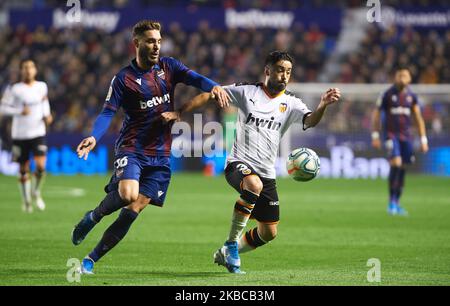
<point>121,162</point>
<point>244,169</point>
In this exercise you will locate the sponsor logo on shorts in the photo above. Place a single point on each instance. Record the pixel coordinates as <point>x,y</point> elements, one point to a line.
<point>119,172</point>
<point>274,203</point>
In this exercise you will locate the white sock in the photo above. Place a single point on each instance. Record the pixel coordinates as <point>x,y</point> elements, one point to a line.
<point>25,191</point>
<point>238,223</point>
<point>241,214</point>
<point>39,180</point>
<point>244,247</point>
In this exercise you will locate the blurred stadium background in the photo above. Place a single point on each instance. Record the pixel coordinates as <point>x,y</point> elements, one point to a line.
<point>227,41</point>
<point>329,228</point>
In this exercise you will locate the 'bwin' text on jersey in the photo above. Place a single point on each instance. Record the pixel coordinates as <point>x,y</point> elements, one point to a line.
<point>263,123</point>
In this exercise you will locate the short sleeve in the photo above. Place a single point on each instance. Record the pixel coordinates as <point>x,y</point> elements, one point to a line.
<point>382,101</point>
<point>9,105</point>
<point>45,102</point>
<point>236,93</point>
<point>416,100</point>
<point>299,111</point>
<point>8,96</point>
<point>114,97</point>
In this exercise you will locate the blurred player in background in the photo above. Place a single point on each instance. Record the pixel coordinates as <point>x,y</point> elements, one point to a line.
<point>145,91</point>
<point>393,116</point>
<point>265,112</point>
<point>28,104</point>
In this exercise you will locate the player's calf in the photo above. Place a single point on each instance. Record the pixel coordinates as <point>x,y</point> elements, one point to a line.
<point>242,211</point>
<point>39,176</point>
<point>257,237</point>
<point>127,194</point>
<point>140,204</point>
<point>25,190</point>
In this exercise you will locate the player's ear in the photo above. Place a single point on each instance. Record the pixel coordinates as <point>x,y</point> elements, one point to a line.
<point>266,71</point>
<point>136,42</point>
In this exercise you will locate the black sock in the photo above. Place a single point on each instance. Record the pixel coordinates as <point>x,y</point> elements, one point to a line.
<point>110,204</point>
<point>393,184</point>
<point>401,182</point>
<point>39,176</point>
<point>114,234</point>
<point>253,238</point>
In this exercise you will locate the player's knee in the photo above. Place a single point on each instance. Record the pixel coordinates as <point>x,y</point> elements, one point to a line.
<point>253,184</point>
<point>128,195</point>
<point>139,205</point>
<point>40,171</point>
<point>269,233</point>
<point>23,176</point>
<point>24,168</point>
<point>396,162</point>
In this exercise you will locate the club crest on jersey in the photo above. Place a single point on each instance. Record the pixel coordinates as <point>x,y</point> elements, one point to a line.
<point>162,75</point>
<point>108,96</point>
<point>283,107</point>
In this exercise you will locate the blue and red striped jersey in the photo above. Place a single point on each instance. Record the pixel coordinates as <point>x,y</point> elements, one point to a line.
<point>396,109</point>
<point>144,95</point>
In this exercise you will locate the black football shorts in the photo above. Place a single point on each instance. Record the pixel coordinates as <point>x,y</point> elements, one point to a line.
<point>21,149</point>
<point>267,208</point>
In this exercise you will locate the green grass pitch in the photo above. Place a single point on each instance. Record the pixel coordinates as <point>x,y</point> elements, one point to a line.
<point>328,231</point>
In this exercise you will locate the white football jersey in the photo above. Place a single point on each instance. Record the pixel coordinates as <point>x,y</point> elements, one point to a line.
<point>262,121</point>
<point>35,97</point>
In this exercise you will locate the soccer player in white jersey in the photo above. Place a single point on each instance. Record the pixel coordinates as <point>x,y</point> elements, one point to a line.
<point>28,104</point>
<point>265,112</point>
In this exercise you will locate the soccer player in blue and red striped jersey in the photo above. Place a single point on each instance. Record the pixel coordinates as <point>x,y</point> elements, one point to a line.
<point>396,108</point>
<point>145,92</point>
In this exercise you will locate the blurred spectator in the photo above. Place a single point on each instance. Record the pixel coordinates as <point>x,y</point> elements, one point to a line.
<point>78,65</point>
<point>425,54</point>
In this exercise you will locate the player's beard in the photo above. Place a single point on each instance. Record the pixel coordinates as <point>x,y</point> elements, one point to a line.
<point>401,86</point>
<point>276,86</point>
<point>144,56</point>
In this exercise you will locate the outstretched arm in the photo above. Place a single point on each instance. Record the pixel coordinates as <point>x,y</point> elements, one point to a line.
<point>421,127</point>
<point>196,102</point>
<point>209,86</point>
<point>101,125</point>
<point>331,96</point>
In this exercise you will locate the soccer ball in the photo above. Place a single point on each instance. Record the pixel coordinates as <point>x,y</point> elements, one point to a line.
<point>303,164</point>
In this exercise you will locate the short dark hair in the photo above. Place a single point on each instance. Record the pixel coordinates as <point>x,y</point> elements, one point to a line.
<point>276,56</point>
<point>400,68</point>
<point>145,25</point>
<point>26,60</point>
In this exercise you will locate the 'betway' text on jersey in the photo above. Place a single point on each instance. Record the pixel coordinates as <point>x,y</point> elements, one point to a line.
<point>155,101</point>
